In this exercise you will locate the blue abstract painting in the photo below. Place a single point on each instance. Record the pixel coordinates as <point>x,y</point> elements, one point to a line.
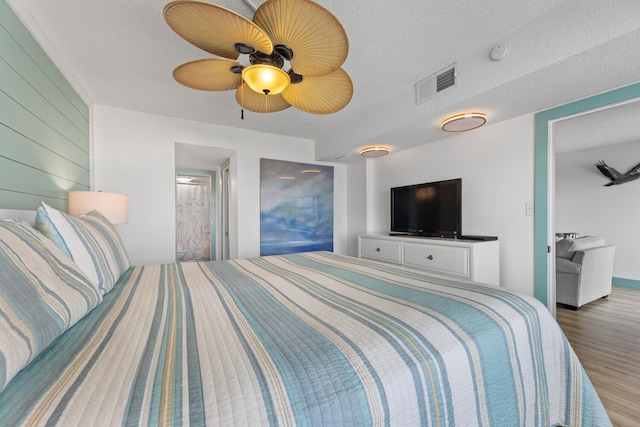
<point>296,207</point>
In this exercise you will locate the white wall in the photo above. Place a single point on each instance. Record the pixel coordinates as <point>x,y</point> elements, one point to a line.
<point>356,204</point>
<point>584,205</point>
<point>496,164</point>
<point>134,153</point>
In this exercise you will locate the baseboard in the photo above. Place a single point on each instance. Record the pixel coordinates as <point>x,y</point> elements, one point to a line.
<point>626,283</point>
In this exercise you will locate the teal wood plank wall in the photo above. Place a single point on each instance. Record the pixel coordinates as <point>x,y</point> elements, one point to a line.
<point>44,124</point>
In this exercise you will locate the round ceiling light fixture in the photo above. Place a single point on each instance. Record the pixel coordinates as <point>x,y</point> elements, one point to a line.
<point>375,151</point>
<point>267,79</point>
<point>463,122</point>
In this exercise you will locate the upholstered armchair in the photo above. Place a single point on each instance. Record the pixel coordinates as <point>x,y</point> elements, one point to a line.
<point>584,270</point>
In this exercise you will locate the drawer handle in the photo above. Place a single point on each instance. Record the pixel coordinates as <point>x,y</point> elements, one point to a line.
<point>377,249</point>
<point>430,257</point>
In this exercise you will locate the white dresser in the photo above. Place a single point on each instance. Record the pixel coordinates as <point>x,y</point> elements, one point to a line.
<point>475,261</point>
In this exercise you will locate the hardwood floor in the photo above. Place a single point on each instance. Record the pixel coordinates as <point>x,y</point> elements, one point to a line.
<point>605,335</point>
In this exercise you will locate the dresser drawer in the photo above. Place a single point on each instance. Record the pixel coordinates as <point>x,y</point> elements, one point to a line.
<point>384,250</point>
<point>439,258</point>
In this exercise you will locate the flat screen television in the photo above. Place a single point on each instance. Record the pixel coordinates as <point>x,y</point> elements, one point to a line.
<point>432,209</point>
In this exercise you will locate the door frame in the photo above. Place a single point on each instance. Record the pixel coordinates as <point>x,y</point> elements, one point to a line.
<point>544,183</point>
<point>225,209</point>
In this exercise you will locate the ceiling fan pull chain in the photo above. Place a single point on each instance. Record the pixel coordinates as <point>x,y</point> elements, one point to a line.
<point>242,95</point>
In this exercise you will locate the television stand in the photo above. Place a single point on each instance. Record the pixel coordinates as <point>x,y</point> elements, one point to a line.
<point>462,259</point>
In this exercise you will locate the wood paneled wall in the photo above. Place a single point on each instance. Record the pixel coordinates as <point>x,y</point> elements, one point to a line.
<point>44,124</point>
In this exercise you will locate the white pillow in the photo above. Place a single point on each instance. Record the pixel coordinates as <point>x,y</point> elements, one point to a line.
<point>586,242</point>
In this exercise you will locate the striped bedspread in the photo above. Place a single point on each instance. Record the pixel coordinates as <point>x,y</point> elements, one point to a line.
<point>305,339</point>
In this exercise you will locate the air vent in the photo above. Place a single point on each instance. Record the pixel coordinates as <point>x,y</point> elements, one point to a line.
<point>445,80</point>
<point>442,80</point>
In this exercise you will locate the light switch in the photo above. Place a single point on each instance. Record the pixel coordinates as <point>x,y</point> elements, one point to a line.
<point>528,208</point>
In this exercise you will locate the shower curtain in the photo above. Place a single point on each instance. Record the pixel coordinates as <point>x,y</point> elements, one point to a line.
<point>193,221</point>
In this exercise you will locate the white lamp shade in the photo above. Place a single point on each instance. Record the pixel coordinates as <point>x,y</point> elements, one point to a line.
<point>114,206</point>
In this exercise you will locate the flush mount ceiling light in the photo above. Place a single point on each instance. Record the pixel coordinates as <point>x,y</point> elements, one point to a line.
<point>375,151</point>
<point>299,33</point>
<point>463,122</point>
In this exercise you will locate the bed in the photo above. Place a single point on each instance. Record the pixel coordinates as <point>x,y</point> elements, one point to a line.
<point>313,338</point>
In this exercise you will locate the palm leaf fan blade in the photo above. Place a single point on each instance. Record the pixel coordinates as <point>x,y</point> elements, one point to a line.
<point>317,39</point>
<point>214,28</point>
<point>321,95</point>
<point>212,74</point>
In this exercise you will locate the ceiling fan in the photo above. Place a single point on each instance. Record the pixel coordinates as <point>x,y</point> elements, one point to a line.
<point>298,32</point>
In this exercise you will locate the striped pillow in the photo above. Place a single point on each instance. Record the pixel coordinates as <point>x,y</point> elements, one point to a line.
<point>92,241</point>
<point>46,227</point>
<point>42,294</point>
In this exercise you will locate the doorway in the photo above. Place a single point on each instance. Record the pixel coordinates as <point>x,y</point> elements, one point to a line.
<point>195,161</point>
<point>544,228</point>
<point>195,215</point>
<point>579,201</point>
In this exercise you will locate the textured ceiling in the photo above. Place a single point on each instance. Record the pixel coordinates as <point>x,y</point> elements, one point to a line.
<point>616,124</point>
<point>122,53</point>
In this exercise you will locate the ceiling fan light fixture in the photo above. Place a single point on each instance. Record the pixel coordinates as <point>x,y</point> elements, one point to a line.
<point>375,151</point>
<point>301,32</point>
<point>267,79</point>
<point>463,121</point>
